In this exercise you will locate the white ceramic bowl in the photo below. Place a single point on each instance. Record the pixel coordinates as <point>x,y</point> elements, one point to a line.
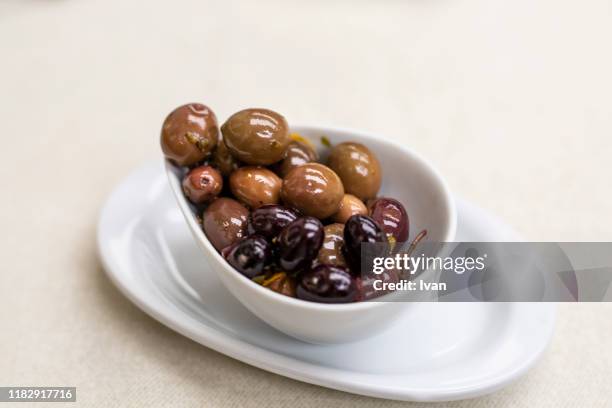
<point>406,177</point>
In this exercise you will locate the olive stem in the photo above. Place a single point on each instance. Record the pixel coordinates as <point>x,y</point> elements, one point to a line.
<point>416,241</point>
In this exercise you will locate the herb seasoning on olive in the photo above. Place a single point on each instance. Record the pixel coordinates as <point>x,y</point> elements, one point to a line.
<point>223,159</point>
<point>189,134</point>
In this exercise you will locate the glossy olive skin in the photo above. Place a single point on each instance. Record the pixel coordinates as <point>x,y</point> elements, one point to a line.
<point>365,284</point>
<point>327,284</point>
<point>202,184</point>
<point>256,136</point>
<point>313,189</point>
<point>296,154</point>
<point>269,220</point>
<point>361,229</point>
<point>281,283</point>
<point>255,186</point>
<point>358,168</point>
<point>391,215</point>
<point>299,243</point>
<point>349,206</point>
<point>225,222</point>
<point>331,250</point>
<point>223,159</point>
<point>189,134</point>
<point>250,256</point>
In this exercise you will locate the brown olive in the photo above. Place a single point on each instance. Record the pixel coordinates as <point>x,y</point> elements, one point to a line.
<point>282,283</point>
<point>331,251</point>
<point>313,189</point>
<point>255,186</point>
<point>202,184</point>
<point>223,159</point>
<point>358,168</point>
<point>296,154</point>
<point>350,205</point>
<point>225,222</point>
<point>189,134</point>
<point>256,136</point>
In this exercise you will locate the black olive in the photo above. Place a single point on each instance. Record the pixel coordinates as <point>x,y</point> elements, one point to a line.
<point>299,242</point>
<point>269,220</point>
<point>250,255</point>
<point>361,229</point>
<point>327,284</point>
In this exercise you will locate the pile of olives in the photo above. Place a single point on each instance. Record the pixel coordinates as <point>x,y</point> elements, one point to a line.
<point>276,214</point>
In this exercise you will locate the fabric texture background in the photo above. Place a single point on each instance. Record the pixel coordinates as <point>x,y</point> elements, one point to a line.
<point>510,100</point>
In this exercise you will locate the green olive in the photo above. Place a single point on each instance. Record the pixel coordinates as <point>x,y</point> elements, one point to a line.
<point>313,189</point>
<point>255,186</point>
<point>358,168</point>
<point>256,136</point>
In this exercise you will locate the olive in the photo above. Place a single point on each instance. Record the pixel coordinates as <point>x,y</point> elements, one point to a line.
<point>391,215</point>
<point>269,220</point>
<point>366,284</point>
<point>299,242</point>
<point>255,186</point>
<point>361,229</point>
<point>223,159</point>
<point>349,206</point>
<point>281,283</point>
<point>331,250</point>
<point>202,184</point>
<point>225,222</point>
<point>256,136</point>
<point>296,154</point>
<point>327,284</point>
<point>358,168</point>
<point>313,189</point>
<point>189,134</point>
<point>250,255</point>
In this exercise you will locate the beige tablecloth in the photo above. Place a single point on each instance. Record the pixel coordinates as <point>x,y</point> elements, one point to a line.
<point>510,100</point>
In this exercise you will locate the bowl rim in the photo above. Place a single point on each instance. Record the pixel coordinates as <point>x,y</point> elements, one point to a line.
<point>300,303</point>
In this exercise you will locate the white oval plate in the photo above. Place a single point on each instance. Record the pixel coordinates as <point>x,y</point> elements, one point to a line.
<point>436,351</point>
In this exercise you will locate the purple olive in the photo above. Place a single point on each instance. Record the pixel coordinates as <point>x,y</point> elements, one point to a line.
<point>250,255</point>
<point>361,229</point>
<point>391,215</point>
<point>299,242</point>
<point>269,220</point>
<point>327,284</point>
